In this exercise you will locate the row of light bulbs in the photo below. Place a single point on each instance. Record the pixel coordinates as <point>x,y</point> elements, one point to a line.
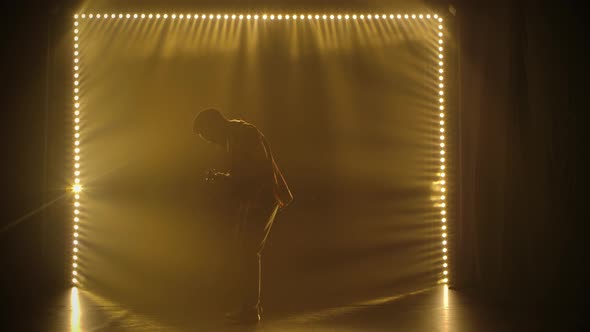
<point>442,180</point>
<point>264,16</point>
<point>77,187</point>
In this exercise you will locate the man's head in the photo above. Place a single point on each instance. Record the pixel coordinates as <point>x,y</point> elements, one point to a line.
<point>211,125</point>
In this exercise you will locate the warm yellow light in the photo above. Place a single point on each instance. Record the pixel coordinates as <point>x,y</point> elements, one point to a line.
<point>406,16</point>
<point>428,16</point>
<point>303,16</point>
<point>317,17</point>
<point>442,130</point>
<point>120,15</point>
<point>272,17</point>
<point>440,56</point>
<point>77,128</point>
<point>75,234</point>
<point>128,16</point>
<point>442,137</point>
<point>151,16</point>
<point>255,17</point>
<point>75,242</point>
<point>444,228</point>
<point>76,211</point>
<point>443,189</point>
<point>76,90</point>
<point>75,257</point>
<point>445,280</point>
<point>76,31</point>
<point>76,38</point>
<point>134,15</point>
<point>218,16</point>
<point>324,17</point>
<point>445,257</point>
<point>91,16</point>
<point>442,123</point>
<point>413,16</point>
<point>76,82</point>
<point>442,115</point>
<point>421,16</point>
<point>346,17</point>
<point>354,16</point>
<point>339,17</point>
<point>331,17</point>
<point>446,272</point>
<point>77,158</point>
<point>441,93</point>
<point>75,249</point>
<point>241,17</point>
<point>444,242</point>
<point>77,188</point>
<point>440,41</point>
<point>75,265</point>
<point>362,17</point>
<point>391,16</point>
<point>443,212</point>
<point>440,19</point>
<point>442,160</point>
<point>77,135</point>
<point>399,16</point>
<point>442,152</point>
<point>77,196</point>
<point>369,16</point>
<point>75,273</point>
<point>76,227</point>
<point>233,17</point>
<point>248,17</point>
<point>224,16</point>
<point>76,219</point>
<point>444,249</point>
<point>74,280</point>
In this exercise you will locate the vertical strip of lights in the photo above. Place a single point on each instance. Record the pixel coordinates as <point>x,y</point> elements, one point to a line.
<point>77,186</point>
<point>442,174</point>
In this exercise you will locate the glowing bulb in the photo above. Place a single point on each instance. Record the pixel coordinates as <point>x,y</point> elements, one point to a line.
<point>421,16</point>
<point>444,220</point>
<point>224,16</point>
<point>444,243</point>
<point>443,190</point>
<point>317,17</point>
<point>77,188</point>
<point>399,16</point>
<point>446,272</point>
<point>77,135</point>
<point>76,38</point>
<point>75,234</point>
<point>442,160</point>
<point>362,17</point>
<point>440,41</point>
<point>303,16</point>
<point>77,158</point>
<point>264,17</point>
<point>435,15</point>
<point>181,16</point>
<point>151,16</point>
<point>77,196</point>
<point>442,137</point>
<point>241,17</point>
<point>75,273</point>
<point>77,173</point>
<point>248,17</point>
<point>413,16</point>
<point>76,53</point>
<point>76,219</point>
<point>75,265</point>
<point>173,16</point>
<point>442,130</point>
<point>369,16</point>
<point>77,181</point>
<point>76,31</point>
<point>354,17</point>
<point>391,16</point>
<point>157,15</point>
<point>442,115</point>
<point>384,16</point>
<point>74,280</point>
<point>331,17</point>
<point>75,257</point>
<point>440,34</point>
<point>440,19</point>
<point>134,15</point>
<point>445,280</point>
<point>428,16</point>
<point>441,93</point>
<point>442,123</point>
<point>445,257</point>
<point>255,17</point>
<point>233,17</point>
<point>76,227</point>
<point>91,16</point>
<point>324,17</point>
<point>444,204</point>
<point>443,212</point>
<point>76,242</point>
<point>75,249</point>
<point>77,204</point>
<point>406,16</point>
<point>272,17</point>
<point>76,211</point>
<point>444,249</point>
<point>346,17</point>
<point>76,23</point>
<point>440,27</point>
<point>442,167</point>
<point>339,17</point>
<point>442,152</point>
<point>444,228</point>
<point>128,15</point>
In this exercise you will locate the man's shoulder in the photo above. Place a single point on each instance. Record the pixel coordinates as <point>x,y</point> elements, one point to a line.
<point>243,128</point>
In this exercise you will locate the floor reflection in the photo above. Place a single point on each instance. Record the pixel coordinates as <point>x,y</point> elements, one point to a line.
<point>75,310</point>
<point>435,309</point>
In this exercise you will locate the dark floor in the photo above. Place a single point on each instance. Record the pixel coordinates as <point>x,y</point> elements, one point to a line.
<point>435,309</point>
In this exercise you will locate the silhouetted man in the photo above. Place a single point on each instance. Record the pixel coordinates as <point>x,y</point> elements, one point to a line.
<point>261,191</point>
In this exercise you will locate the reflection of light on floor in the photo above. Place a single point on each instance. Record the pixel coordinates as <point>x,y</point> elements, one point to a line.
<point>75,311</point>
<point>445,310</point>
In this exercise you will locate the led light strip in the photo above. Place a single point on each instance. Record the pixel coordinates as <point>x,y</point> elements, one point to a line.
<point>263,17</point>
<point>77,187</point>
<point>442,181</point>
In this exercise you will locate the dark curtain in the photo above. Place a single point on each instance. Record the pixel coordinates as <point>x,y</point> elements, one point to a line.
<point>519,231</point>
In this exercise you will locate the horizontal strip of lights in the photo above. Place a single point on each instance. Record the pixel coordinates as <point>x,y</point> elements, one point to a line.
<point>77,103</point>
<point>271,17</point>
